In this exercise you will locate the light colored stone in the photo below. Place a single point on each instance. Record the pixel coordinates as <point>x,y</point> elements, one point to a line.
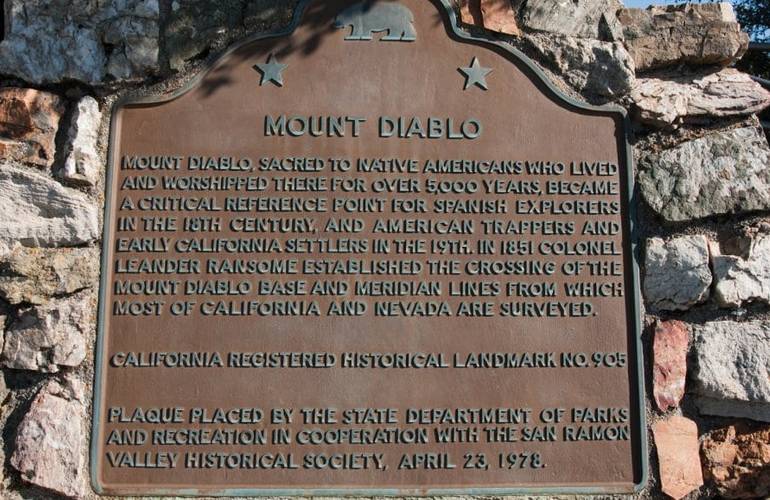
<point>676,440</point>
<point>82,163</point>
<point>739,279</point>
<point>677,274</point>
<point>34,275</point>
<point>670,35</point>
<point>732,363</point>
<point>737,461</point>
<point>51,440</point>
<point>592,67</point>
<point>29,120</point>
<point>578,18</point>
<point>46,338</point>
<point>136,39</point>
<point>35,210</point>
<point>48,41</point>
<point>669,370</point>
<point>669,99</point>
<point>721,173</point>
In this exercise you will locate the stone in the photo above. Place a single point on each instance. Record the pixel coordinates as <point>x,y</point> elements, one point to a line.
<point>47,338</point>
<point>35,210</point>
<point>592,67</point>
<point>732,362</point>
<point>698,34</point>
<point>34,275</point>
<point>736,461</point>
<point>670,99</point>
<point>493,15</point>
<point>677,274</point>
<point>82,164</point>
<point>193,25</point>
<point>740,279</point>
<point>676,440</point>
<point>721,173</point>
<point>669,370</point>
<point>578,18</point>
<point>51,440</point>
<point>50,41</point>
<point>29,120</point>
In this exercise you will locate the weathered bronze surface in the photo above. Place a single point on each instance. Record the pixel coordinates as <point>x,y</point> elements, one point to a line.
<point>429,242</point>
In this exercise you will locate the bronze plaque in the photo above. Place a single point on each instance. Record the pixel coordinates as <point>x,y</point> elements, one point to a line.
<point>372,256</point>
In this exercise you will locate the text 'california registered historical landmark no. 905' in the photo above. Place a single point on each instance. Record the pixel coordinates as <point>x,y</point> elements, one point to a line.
<point>371,255</point>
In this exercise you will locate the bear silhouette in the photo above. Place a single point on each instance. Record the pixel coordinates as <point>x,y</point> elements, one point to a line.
<point>367,18</point>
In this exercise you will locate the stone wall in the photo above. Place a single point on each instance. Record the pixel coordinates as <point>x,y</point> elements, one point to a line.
<point>703,196</point>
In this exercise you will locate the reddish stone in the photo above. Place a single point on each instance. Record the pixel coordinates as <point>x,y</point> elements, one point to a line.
<point>676,440</point>
<point>29,120</point>
<point>470,13</point>
<point>736,460</point>
<point>494,15</point>
<point>669,369</point>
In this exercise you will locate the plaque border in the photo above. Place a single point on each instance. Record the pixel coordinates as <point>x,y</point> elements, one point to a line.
<point>445,9</point>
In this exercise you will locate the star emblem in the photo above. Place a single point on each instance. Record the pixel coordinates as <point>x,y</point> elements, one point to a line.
<point>271,71</point>
<point>476,74</point>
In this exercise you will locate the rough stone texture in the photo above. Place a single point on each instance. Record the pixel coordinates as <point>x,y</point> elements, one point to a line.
<point>740,279</point>
<point>687,33</point>
<point>82,164</point>
<point>48,41</point>
<point>669,370</point>
<point>732,367</point>
<point>737,461</point>
<point>592,67</point>
<point>677,274</point>
<point>194,25</point>
<point>579,18</point>
<point>29,120</point>
<point>720,173</point>
<point>35,210</point>
<point>494,15</point>
<point>671,98</point>
<point>45,338</point>
<point>51,439</point>
<point>34,276</point>
<point>676,440</point>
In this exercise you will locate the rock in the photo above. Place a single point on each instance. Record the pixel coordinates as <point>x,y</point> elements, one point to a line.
<point>669,371</point>
<point>34,276</point>
<point>739,279</point>
<point>736,460</point>
<point>82,164</point>
<point>732,362</point>
<point>494,15</point>
<point>35,210</point>
<point>29,120</point>
<point>51,440</point>
<point>676,440</point>
<point>136,39</point>
<point>670,35</point>
<point>45,338</point>
<point>669,99</point>
<point>720,173</point>
<point>194,24</point>
<point>592,67</point>
<point>49,41</point>
<point>677,274</point>
<point>578,18</point>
